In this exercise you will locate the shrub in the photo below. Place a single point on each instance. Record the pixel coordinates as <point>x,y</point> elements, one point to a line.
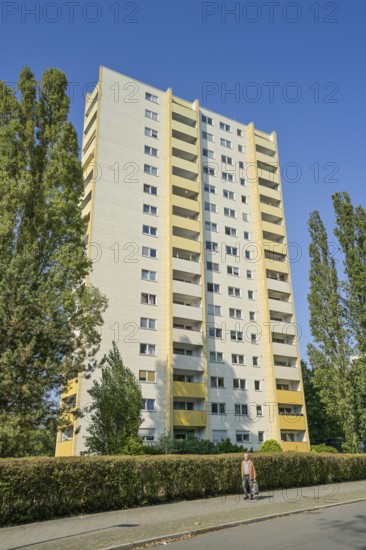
<point>323,448</point>
<point>37,489</point>
<point>270,446</point>
<point>225,446</point>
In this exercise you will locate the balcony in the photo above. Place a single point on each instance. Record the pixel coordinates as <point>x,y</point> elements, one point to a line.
<point>265,158</point>
<point>187,266</point>
<point>186,223</point>
<point>279,286</point>
<point>270,210</point>
<point>189,389</point>
<point>292,422</point>
<point>185,203</point>
<point>263,142</point>
<point>275,265</point>
<point>270,194</point>
<point>287,373</point>
<point>64,448</point>
<point>184,146</point>
<point>190,418</point>
<point>272,227</point>
<point>188,289</point>
<point>297,446</point>
<point>289,350</point>
<point>184,336</point>
<point>283,328</point>
<point>179,126</point>
<point>187,312</point>
<point>184,111</point>
<point>188,362</point>
<point>288,397</point>
<point>185,184</point>
<point>186,166</point>
<point>186,244</point>
<point>281,307</point>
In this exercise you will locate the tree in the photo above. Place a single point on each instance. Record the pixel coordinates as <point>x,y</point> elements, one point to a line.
<point>49,318</point>
<point>331,352</point>
<point>322,427</point>
<point>271,446</point>
<point>115,414</point>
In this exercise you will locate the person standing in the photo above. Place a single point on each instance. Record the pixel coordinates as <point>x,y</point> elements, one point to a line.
<point>248,475</point>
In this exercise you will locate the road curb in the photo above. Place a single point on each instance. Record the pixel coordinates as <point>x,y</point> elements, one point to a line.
<point>203,530</point>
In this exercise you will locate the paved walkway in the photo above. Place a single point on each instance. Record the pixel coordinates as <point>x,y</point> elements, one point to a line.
<point>123,529</point>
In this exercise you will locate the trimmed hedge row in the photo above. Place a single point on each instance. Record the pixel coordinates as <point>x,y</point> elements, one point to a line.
<point>37,489</point>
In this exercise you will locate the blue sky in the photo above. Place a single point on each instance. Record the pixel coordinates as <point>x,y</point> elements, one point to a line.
<point>309,54</point>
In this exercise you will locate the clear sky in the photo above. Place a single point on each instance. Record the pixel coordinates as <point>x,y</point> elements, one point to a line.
<point>298,68</point>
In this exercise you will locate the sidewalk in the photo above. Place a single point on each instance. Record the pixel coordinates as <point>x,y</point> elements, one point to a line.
<point>120,529</point>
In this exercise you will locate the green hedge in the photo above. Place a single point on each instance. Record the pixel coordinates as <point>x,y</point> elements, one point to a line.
<point>43,488</point>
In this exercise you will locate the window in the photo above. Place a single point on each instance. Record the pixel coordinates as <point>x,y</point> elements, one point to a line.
<point>260,437</point>
<point>151,189</point>
<point>225,127</point>
<point>249,274</point>
<point>152,170</point>
<point>243,182</point>
<point>150,151</point>
<point>183,378</point>
<point>247,255</point>
<point>241,165</point>
<point>255,361</point>
<point>214,332</point>
<point>216,356</point>
<point>67,433</point>
<point>183,405</point>
<point>231,250</point>
<point>244,199</point>
<point>151,97</point>
<point>231,270</point>
<point>218,435</point>
<point>235,313</point>
<point>209,188</point>
<point>147,376</point>
<point>229,212</point>
<point>151,115</point>
<point>226,160</point>
<point>207,120</point>
<point>210,245</point>
<point>148,404</point>
<point>213,310</point>
<point>216,382</point>
<point>209,170</point>
<point>241,148</point>
<point>207,136</point>
<point>257,385</point>
<point>228,194</point>
<point>149,209</point>
<point>148,230</point>
<point>237,359</point>
<point>149,252</point>
<point>147,434</point>
<point>147,349</point>
<point>259,410</point>
<point>239,384</point>
<point>149,299</point>
<point>231,231</point>
<point>239,132</point>
<point>233,291</point>
<point>145,322</point>
<point>287,437</point>
<point>251,316</point>
<point>227,177</point>
<point>209,207</point>
<point>225,143</point>
<point>246,235</point>
<point>218,408</point>
<point>211,266</point>
<point>148,275</point>
<point>236,336</point>
<point>209,154</point>
<point>250,295</point>
<point>253,338</point>
<point>242,437</point>
<point>210,226</point>
<point>213,287</point>
<point>245,217</point>
<point>150,132</point>
<point>241,409</point>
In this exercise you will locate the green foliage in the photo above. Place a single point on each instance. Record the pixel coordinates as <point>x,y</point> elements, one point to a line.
<point>49,319</point>
<point>270,446</point>
<point>167,444</point>
<point>225,446</point>
<point>115,413</point>
<point>323,448</point>
<point>45,488</point>
<point>321,425</point>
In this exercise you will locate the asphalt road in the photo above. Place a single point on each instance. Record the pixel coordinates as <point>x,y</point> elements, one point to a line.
<point>337,528</point>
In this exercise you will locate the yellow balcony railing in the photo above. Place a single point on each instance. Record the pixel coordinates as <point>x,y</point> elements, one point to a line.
<point>189,389</point>
<point>288,397</point>
<point>190,418</point>
<point>297,446</point>
<point>292,422</point>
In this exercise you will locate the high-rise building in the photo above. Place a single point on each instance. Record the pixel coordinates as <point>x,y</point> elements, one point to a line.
<point>187,235</point>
